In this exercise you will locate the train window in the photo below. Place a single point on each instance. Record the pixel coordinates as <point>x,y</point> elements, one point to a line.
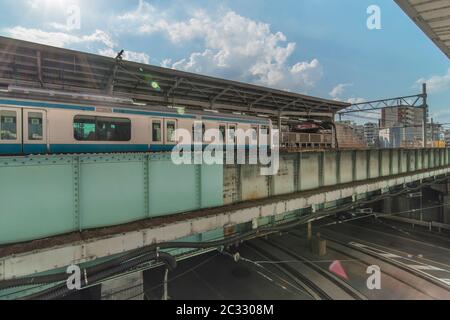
<point>232,134</point>
<point>84,128</point>
<point>254,134</point>
<point>8,125</point>
<point>223,130</point>
<point>35,126</point>
<point>88,128</point>
<point>156,131</point>
<point>264,130</point>
<point>198,132</point>
<point>171,126</point>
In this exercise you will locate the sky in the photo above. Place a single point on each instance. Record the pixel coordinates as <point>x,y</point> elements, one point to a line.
<point>317,47</point>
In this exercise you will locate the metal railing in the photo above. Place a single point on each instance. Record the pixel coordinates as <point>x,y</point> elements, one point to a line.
<point>293,139</point>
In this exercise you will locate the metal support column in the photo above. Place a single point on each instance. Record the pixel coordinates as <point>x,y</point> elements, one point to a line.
<point>425,114</point>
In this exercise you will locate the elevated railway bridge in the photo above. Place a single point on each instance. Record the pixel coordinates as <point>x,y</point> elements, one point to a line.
<point>119,213</point>
<point>82,209</point>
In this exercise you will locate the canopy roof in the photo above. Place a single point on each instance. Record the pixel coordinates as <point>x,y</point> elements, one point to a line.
<point>43,67</point>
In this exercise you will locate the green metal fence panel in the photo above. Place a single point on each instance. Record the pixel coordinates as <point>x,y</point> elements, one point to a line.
<point>253,184</point>
<point>395,162</point>
<point>346,167</point>
<point>430,158</point>
<point>330,168</point>
<point>36,199</point>
<point>361,165</point>
<point>403,161</point>
<point>309,171</point>
<point>42,196</point>
<point>212,186</point>
<point>111,193</point>
<point>172,188</point>
<point>374,164</point>
<point>385,163</point>
<point>284,181</point>
<point>419,160</point>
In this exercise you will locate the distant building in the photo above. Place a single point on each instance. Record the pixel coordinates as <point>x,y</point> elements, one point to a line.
<point>350,135</point>
<point>447,138</point>
<point>399,137</point>
<point>401,127</point>
<point>435,132</point>
<point>390,138</point>
<point>404,117</point>
<point>371,134</point>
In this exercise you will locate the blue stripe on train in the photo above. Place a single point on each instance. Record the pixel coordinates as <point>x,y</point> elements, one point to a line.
<point>164,147</point>
<point>10,148</point>
<point>89,148</point>
<point>93,148</point>
<point>45,105</point>
<point>35,148</point>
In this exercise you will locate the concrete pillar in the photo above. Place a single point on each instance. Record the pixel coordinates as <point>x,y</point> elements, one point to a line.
<point>319,246</point>
<point>446,209</point>
<point>309,231</point>
<point>129,287</point>
<point>387,205</point>
<point>404,205</point>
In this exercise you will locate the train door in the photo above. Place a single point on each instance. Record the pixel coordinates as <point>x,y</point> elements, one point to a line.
<point>35,140</point>
<point>10,131</point>
<point>157,138</point>
<point>170,127</point>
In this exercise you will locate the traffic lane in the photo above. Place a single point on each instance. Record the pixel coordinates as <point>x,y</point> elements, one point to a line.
<point>215,276</point>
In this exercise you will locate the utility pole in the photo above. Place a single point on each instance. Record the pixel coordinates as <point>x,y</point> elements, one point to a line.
<point>279,121</point>
<point>425,114</point>
<point>432,132</point>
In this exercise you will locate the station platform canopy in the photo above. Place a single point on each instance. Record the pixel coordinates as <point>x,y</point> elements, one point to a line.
<point>44,68</point>
<point>433,17</point>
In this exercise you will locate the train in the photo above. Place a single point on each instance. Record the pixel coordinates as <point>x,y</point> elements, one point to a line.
<point>47,127</point>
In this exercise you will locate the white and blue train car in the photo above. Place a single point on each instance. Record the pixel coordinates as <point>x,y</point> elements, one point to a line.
<point>42,127</point>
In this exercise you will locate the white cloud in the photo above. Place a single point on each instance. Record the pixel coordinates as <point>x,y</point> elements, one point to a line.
<point>58,39</point>
<point>62,39</point>
<point>338,94</point>
<point>356,100</point>
<point>60,26</point>
<point>338,91</point>
<point>436,83</point>
<point>234,47</point>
